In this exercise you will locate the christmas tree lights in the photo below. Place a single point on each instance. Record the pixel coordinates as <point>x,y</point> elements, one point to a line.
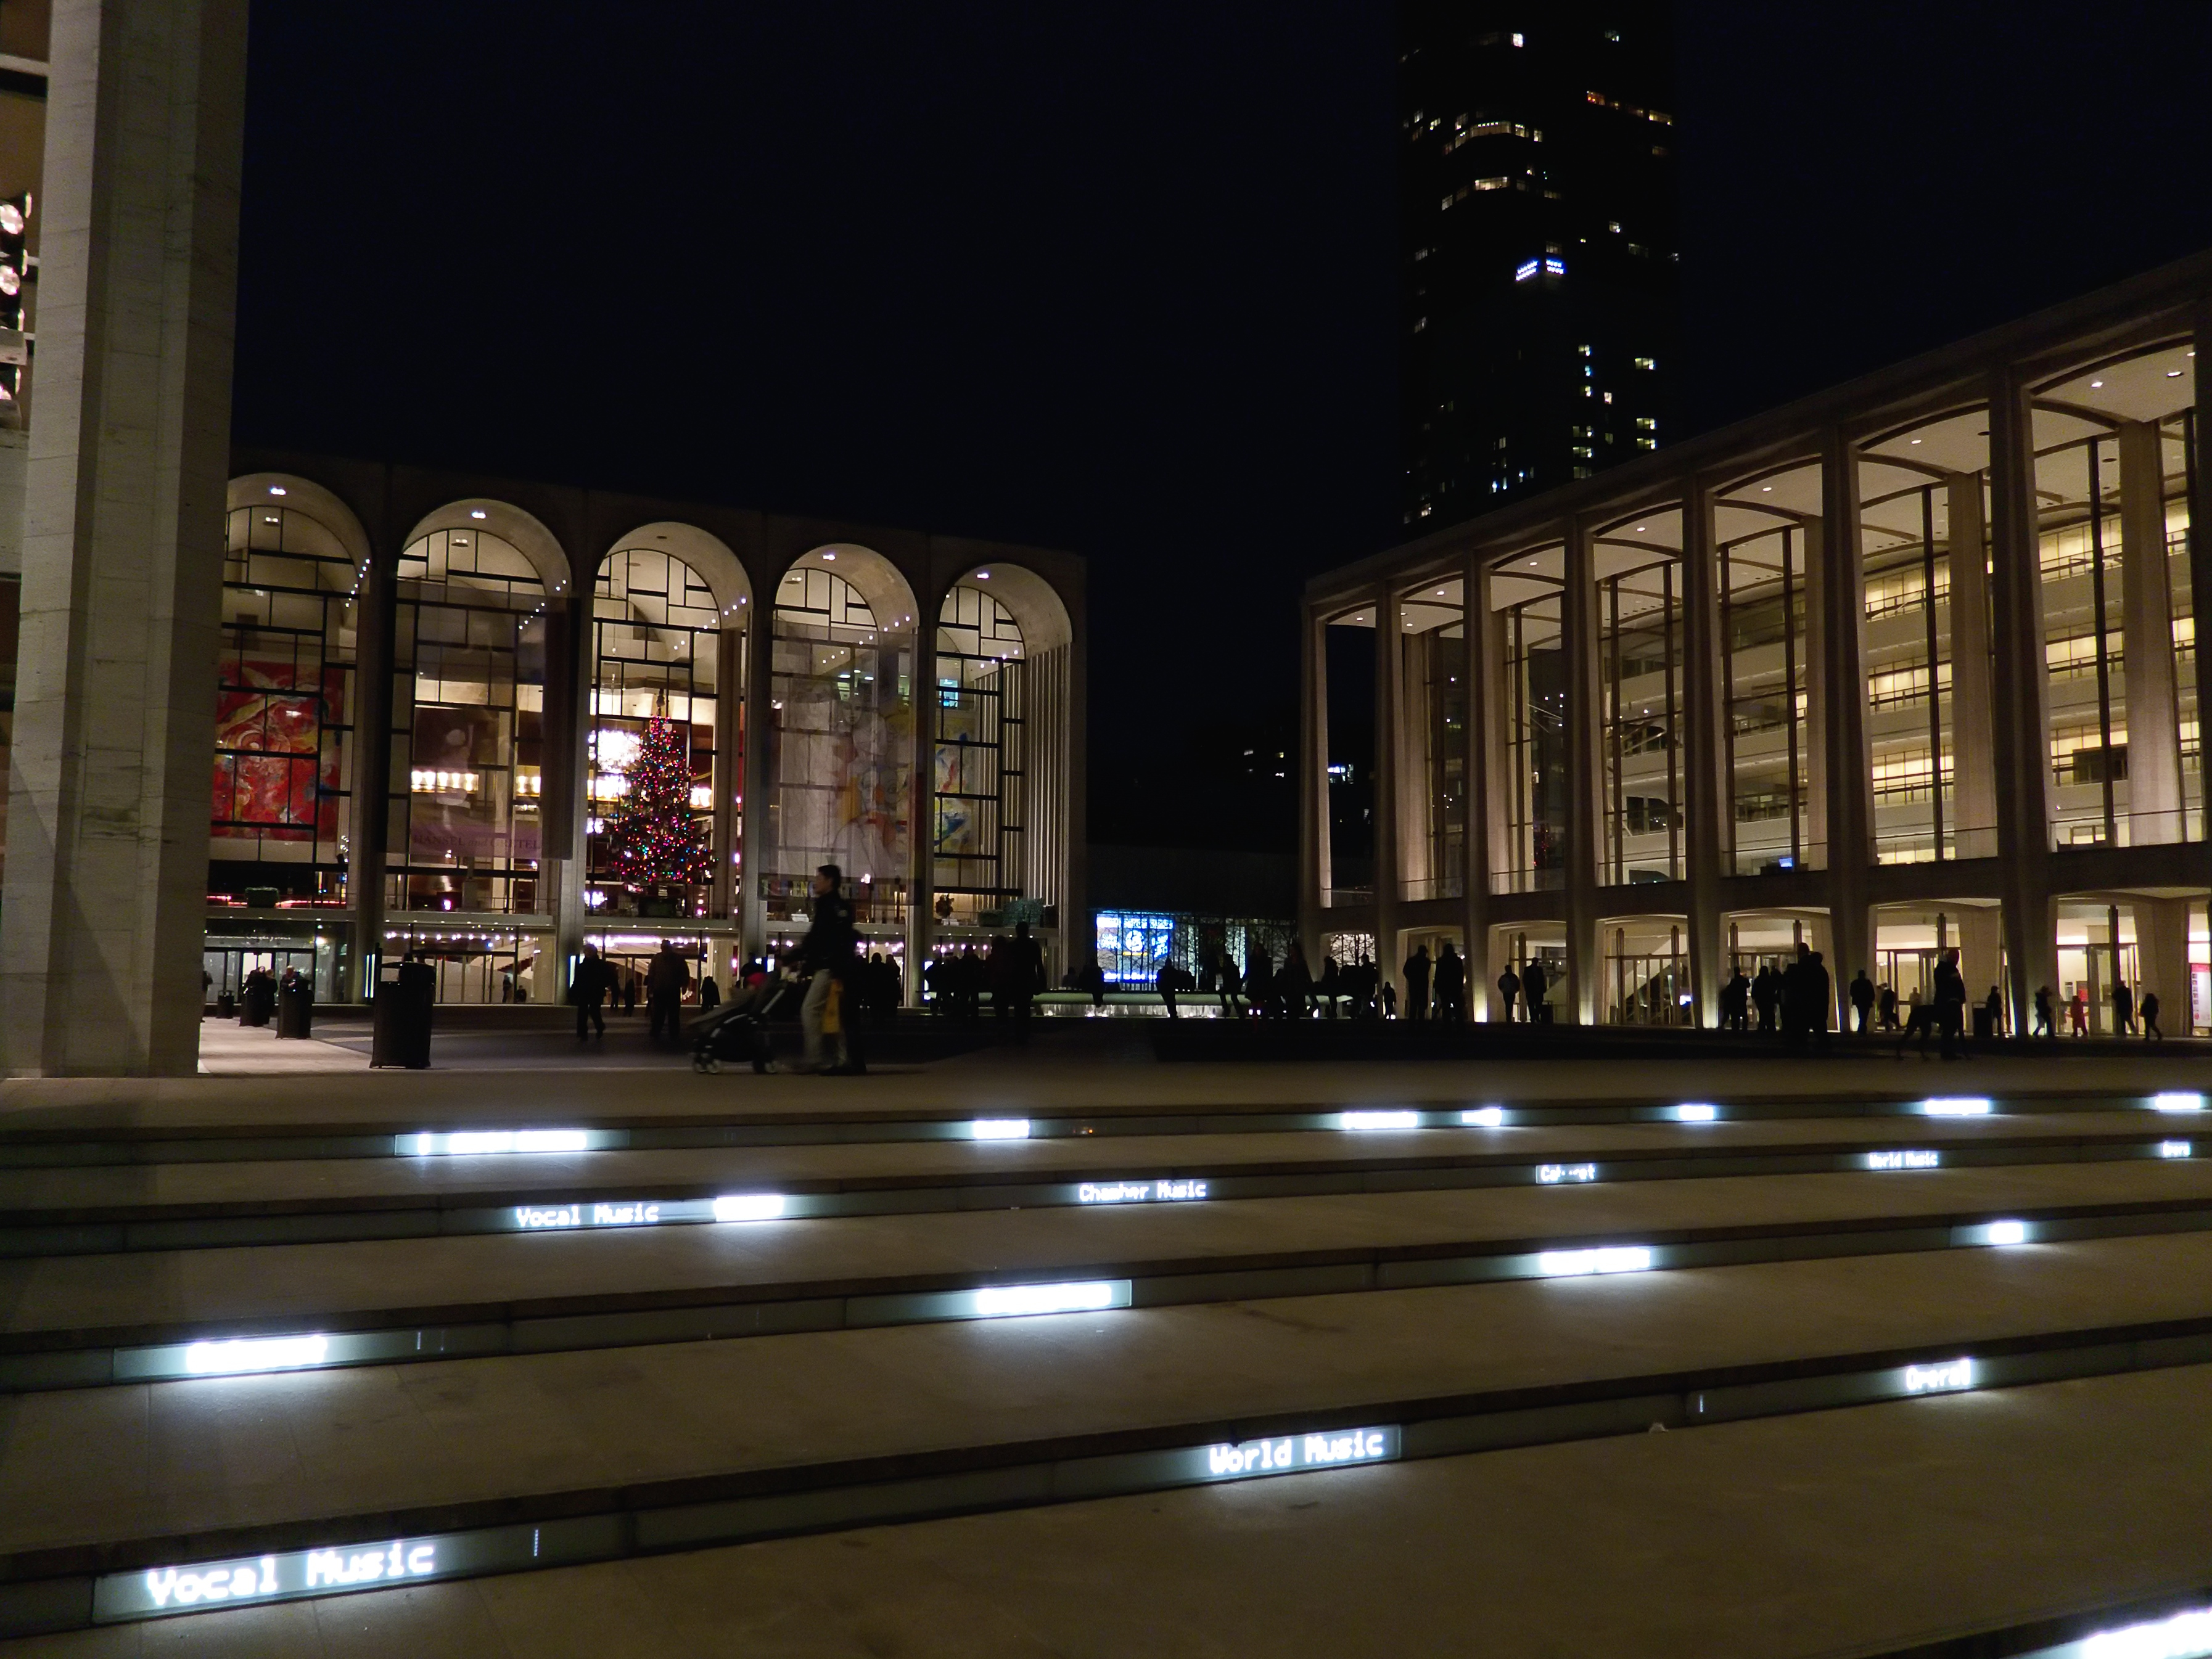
<point>653,838</point>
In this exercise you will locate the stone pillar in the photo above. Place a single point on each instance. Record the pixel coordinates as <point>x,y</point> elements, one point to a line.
<point>370,820</point>
<point>1481,689</point>
<point>564,807</point>
<point>1974,785</point>
<point>1981,941</point>
<point>1585,777</point>
<point>2200,553</point>
<point>724,899</point>
<point>106,879</point>
<point>759,849</point>
<point>1813,752</point>
<point>1389,624</point>
<point>2020,753</point>
<point>2153,719</point>
<point>1704,752</point>
<point>1311,773</point>
<point>921,808</point>
<point>1848,763</point>
<point>2162,955</point>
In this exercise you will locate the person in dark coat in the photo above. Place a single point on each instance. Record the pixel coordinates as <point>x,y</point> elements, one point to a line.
<point>588,992</point>
<point>1508,993</point>
<point>827,951</point>
<point>1294,984</point>
<point>2150,1011</point>
<point>1950,1004</point>
<point>665,983</point>
<point>2123,1010</point>
<point>1451,985</point>
<point>1766,996</point>
<point>1862,999</point>
<point>1259,981</point>
<point>1021,976</point>
<point>1330,988</point>
<point>710,994</point>
<point>1533,985</point>
<point>1735,1003</point>
<point>1417,984</point>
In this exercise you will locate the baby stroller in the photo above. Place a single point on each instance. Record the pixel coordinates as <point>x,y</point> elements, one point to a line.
<point>738,1029</point>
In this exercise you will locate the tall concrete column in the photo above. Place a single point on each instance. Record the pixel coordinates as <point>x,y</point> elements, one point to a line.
<point>2200,555</point>
<point>1389,712</point>
<point>2153,717</point>
<point>2020,722</point>
<point>106,881</point>
<point>1482,689</point>
<point>1311,773</point>
<point>759,845</point>
<point>1974,782</point>
<point>1981,939</point>
<point>1704,751</point>
<point>1814,756</point>
<point>370,819</point>
<point>1849,762</point>
<point>2162,955</point>
<point>564,777</point>
<point>1585,782</point>
<point>921,807</point>
<point>729,781</point>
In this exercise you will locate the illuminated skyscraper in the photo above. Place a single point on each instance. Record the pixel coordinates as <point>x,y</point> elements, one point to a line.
<point>1538,223</point>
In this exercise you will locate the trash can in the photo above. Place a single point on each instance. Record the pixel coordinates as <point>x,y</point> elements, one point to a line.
<point>225,1006</point>
<point>1985,1025</point>
<point>296,1006</point>
<point>400,1022</point>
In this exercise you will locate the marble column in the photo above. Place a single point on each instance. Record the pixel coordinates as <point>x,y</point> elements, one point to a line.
<point>2020,723</point>
<point>1705,752</point>
<point>1312,774</point>
<point>108,811</point>
<point>2162,956</point>
<point>921,807</point>
<point>2153,719</point>
<point>1389,712</point>
<point>1585,776</point>
<point>1974,785</point>
<point>1849,762</point>
<point>1477,756</point>
<point>760,822</point>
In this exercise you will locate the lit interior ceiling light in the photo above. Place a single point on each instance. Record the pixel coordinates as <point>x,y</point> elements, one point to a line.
<point>2173,374</point>
<point>2093,385</point>
<point>277,489</point>
<point>475,512</point>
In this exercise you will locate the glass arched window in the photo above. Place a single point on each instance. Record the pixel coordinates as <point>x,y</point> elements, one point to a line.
<point>980,756</point>
<point>468,702</point>
<point>284,702</point>
<point>658,646</point>
<point>842,735</point>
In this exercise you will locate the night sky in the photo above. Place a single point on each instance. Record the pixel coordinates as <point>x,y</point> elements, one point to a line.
<point>1118,279</point>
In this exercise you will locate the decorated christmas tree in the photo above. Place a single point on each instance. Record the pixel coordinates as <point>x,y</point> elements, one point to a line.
<point>653,839</point>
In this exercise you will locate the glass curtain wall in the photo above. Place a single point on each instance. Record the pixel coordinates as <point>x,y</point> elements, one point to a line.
<point>1908,684</point>
<point>657,645</point>
<point>1435,678</point>
<point>2084,639</point>
<point>468,702</point>
<point>1766,731</point>
<point>979,767</point>
<point>1535,856</point>
<point>842,731</point>
<point>284,702</point>
<point>1640,668</point>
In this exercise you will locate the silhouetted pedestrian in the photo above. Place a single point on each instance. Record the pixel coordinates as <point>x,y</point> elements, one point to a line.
<point>1451,985</point>
<point>1508,993</point>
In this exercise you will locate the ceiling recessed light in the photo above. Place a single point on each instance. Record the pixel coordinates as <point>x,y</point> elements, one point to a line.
<point>2093,385</point>
<point>2173,374</point>
<point>1766,489</point>
<point>277,489</point>
<point>1915,440</point>
<point>829,556</point>
<point>982,576</point>
<point>1640,530</point>
<point>475,512</point>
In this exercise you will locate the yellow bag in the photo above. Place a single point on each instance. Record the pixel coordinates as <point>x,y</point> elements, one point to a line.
<point>833,1023</point>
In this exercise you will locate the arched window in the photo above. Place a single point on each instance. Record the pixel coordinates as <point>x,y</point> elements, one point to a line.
<point>842,730</point>
<point>981,756</point>
<point>468,702</point>
<point>658,648</point>
<point>284,702</point>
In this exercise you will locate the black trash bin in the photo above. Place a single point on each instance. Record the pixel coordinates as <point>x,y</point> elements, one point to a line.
<point>296,1006</point>
<point>400,1022</point>
<point>1985,1025</point>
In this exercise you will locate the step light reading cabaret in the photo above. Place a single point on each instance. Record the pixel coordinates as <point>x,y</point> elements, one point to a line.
<point>2177,1148</point>
<point>270,1578</point>
<point>1331,1448</point>
<point>998,1128</point>
<point>1484,1117</point>
<point>1616,1258</point>
<point>1696,1112</point>
<point>2177,1103</point>
<point>464,1143</point>
<point>1945,1376</point>
<point>1904,1159</point>
<point>1378,1120</point>
<point>1139,1192</point>
<point>1955,1106</point>
<point>1081,1296</point>
<point>1549,1175</point>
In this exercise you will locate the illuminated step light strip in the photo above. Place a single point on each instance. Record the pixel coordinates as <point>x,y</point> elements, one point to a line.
<point>1139,1192</point>
<point>1393,1119</point>
<point>1613,1258</point>
<point>1697,1112</point>
<point>1944,1377</point>
<point>1548,1175</point>
<point>1293,1454</point>
<point>1956,1105</point>
<point>257,1356</point>
<point>751,1207</point>
<point>2176,1102</point>
<point>1079,1296</point>
<point>998,1128</point>
<point>1997,1233</point>
<point>2177,1149</point>
<point>286,1578</point>
<point>248,1354</point>
<point>1484,1117</point>
<point>474,1143</point>
<point>2184,1636</point>
<point>1891,1161</point>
